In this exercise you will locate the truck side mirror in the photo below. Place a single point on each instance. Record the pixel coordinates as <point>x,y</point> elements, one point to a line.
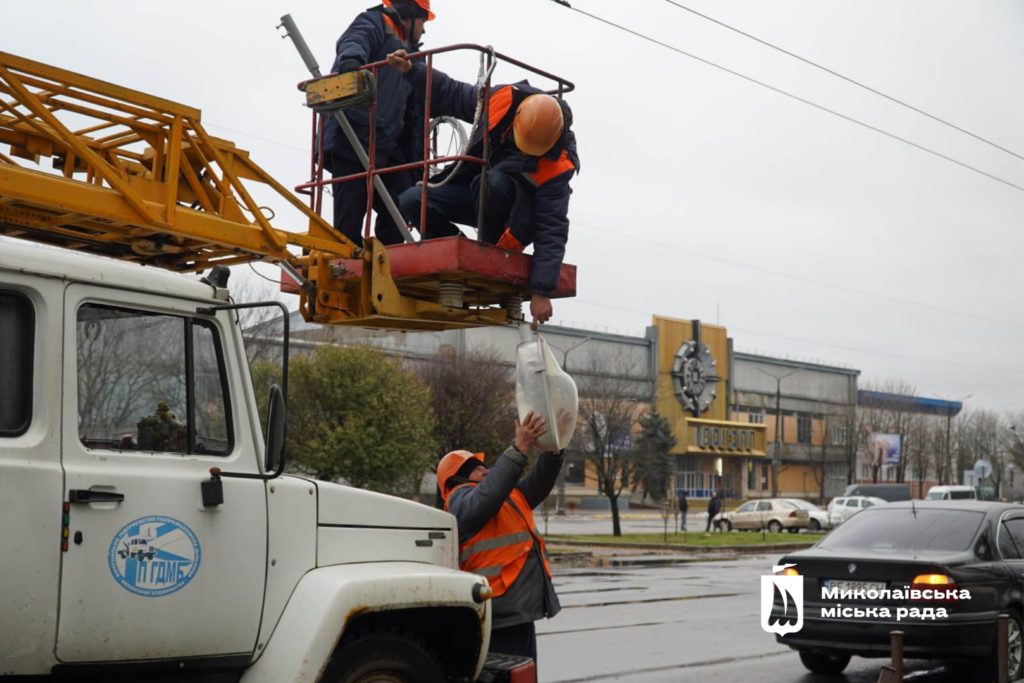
<point>276,416</point>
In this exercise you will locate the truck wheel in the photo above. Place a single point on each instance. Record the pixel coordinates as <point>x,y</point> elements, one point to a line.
<point>383,658</point>
<point>820,663</point>
<point>815,525</point>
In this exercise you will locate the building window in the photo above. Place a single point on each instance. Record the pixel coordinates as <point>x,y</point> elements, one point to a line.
<point>755,418</point>
<point>838,435</point>
<point>865,471</point>
<point>17,338</point>
<point>803,428</point>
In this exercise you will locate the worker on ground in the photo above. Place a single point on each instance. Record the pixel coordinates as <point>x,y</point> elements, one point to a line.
<point>532,159</point>
<point>498,538</point>
<point>394,25</point>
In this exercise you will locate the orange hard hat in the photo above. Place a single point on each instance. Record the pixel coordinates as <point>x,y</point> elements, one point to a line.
<point>451,464</point>
<point>537,125</point>
<point>422,4</point>
<point>425,5</point>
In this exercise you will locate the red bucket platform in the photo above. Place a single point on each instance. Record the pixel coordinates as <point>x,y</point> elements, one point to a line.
<point>489,276</point>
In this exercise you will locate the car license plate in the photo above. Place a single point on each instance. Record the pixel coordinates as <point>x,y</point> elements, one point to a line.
<point>845,585</point>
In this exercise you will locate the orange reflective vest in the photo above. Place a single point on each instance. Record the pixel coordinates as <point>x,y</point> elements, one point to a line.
<point>500,549</point>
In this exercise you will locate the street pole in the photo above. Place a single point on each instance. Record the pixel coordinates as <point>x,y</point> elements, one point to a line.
<point>777,451</point>
<point>949,450</point>
<point>952,475</point>
<point>560,482</point>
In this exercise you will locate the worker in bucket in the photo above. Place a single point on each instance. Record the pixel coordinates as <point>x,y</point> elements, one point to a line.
<point>394,25</point>
<point>498,538</point>
<point>532,159</point>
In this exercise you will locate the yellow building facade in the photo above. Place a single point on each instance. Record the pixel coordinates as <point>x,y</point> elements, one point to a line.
<point>714,451</point>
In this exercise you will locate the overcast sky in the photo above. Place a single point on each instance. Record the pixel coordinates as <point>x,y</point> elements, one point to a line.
<point>701,195</point>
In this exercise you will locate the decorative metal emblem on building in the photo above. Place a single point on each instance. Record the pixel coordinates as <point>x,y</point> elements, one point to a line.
<point>694,374</point>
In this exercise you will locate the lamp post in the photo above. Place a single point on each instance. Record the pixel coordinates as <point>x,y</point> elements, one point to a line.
<point>777,452</point>
<point>560,490</point>
<point>950,475</point>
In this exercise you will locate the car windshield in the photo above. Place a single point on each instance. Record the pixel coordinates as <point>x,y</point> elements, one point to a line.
<point>934,495</point>
<point>886,528</point>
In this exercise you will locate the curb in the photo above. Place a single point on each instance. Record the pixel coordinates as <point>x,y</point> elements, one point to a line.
<point>700,549</point>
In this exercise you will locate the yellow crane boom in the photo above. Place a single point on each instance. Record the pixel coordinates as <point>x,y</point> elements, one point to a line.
<point>137,177</point>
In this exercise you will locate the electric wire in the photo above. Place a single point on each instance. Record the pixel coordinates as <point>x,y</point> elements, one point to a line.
<point>785,93</point>
<point>846,78</point>
<point>802,279</point>
<point>259,274</point>
<point>826,344</point>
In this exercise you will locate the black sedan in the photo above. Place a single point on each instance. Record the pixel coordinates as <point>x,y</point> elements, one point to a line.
<point>940,572</point>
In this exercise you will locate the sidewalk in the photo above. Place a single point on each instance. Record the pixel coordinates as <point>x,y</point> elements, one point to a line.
<point>611,553</point>
<point>632,522</point>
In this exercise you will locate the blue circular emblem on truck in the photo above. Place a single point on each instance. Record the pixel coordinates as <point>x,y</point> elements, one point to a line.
<point>154,556</point>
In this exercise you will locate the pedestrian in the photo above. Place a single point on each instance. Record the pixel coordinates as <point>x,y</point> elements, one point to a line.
<point>684,506</point>
<point>714,507</point>
<point>532,159</point>
<point>372,36</point>
<point>498,537</point>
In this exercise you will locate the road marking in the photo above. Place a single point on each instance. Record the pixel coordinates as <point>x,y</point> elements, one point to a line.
<point>638,602</point>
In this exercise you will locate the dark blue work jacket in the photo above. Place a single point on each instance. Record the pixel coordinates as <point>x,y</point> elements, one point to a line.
<point>370,38</point>
<point>541,216</point>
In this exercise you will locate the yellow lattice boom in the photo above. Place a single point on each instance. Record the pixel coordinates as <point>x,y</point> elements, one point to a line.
<point>137,177</point>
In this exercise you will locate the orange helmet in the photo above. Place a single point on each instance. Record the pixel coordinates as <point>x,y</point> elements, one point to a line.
<point>537,125</point>
<point>422,4</point>
<point>451,464</point>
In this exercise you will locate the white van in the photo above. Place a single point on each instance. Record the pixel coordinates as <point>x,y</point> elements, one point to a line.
<point>951,493</point>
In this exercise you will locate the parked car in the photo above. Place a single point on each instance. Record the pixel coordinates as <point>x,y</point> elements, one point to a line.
<point>974,547</point>
<point>951,493</point>
<point>773,514</point>
<point>889,492</point>
<point>817,518</point>
<point>844,507</point>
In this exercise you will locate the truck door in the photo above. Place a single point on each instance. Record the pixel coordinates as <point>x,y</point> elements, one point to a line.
<point>151,402</point>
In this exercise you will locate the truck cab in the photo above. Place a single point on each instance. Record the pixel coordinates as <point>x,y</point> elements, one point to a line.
<point>121,386</point>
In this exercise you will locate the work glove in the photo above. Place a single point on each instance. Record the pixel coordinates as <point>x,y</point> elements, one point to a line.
<point>348,65</point>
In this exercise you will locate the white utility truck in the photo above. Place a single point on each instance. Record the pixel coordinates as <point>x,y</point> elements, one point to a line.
<point>121,386</point>
<point>148,532</point>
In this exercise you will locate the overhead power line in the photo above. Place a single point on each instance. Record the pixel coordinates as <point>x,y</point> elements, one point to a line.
<point>785,93</point>
<point>831,345</point>
<point>845,78</point>
<point>804,280</point>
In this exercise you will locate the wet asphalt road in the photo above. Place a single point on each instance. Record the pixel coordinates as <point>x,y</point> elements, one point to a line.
<point>686,622</point>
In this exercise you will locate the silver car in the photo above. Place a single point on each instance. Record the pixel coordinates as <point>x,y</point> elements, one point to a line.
<point>818,518</point>
<point>844,507</point>
<point>773,514</point>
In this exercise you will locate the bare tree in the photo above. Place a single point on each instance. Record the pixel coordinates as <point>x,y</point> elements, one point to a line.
<point>474,400</point>
<point>982,437</point>
<point>895,417</point>
<point>607,414</point>
<point>832,425</point>
<point>262,335</point>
